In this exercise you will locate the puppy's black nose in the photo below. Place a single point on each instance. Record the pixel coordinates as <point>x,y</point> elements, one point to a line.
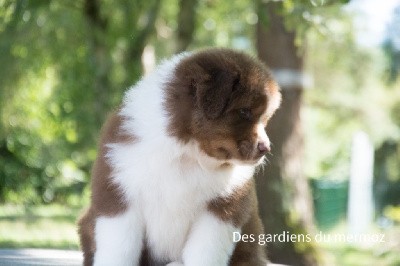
<point>263,147</point>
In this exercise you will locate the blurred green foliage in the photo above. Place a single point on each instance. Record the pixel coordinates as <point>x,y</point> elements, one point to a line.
<point>392,47</point>
<point>348,94</point>
<point>66,64</point>
<point>387,178</point>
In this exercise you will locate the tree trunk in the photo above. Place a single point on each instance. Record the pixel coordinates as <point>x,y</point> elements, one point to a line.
<point>186,24</point>
<point>139,39</point>
<point>283,192</point>
<point>101,59</point>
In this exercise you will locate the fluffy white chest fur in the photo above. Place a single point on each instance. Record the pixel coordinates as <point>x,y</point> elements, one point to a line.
<point>166,184</point>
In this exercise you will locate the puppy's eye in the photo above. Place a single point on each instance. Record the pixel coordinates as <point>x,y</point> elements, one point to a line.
<point>245,113</point>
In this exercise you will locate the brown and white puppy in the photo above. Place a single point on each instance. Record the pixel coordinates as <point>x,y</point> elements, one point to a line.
<point>173,179</point>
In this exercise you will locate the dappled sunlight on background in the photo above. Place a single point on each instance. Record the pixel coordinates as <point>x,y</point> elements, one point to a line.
<point>63,71</point>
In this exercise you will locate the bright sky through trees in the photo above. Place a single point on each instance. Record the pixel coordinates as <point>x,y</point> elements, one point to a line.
<point>372,19</point>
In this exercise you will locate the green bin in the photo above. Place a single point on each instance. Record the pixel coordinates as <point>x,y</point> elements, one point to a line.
<point>330,201</point>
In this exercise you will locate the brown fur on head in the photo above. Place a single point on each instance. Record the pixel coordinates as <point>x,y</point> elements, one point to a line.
<point>221,98</point>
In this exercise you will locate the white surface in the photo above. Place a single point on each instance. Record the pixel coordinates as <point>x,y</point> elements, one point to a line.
<point>17,257</point>
<point>360,208</point>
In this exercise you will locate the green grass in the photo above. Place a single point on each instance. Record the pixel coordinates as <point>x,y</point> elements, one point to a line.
<point>379,254</point>
<point>47,226</point>
<point>346,255</point>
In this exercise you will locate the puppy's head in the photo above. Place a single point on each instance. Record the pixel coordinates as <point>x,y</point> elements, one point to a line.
<point>223,99</point>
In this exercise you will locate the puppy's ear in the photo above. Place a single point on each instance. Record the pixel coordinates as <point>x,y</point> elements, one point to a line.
<point>213,95</point>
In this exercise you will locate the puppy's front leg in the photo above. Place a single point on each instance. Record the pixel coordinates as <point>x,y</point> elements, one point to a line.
<point>119,240</point>
<point>210,242</point>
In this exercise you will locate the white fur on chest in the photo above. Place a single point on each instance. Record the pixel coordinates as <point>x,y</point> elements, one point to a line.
<point>169,193</point>
<point>167,184</point>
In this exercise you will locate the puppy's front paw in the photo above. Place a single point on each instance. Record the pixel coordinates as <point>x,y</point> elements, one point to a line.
<point>175,263</point>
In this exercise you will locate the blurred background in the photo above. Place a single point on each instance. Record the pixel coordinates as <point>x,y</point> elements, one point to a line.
<point>336,138</point>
